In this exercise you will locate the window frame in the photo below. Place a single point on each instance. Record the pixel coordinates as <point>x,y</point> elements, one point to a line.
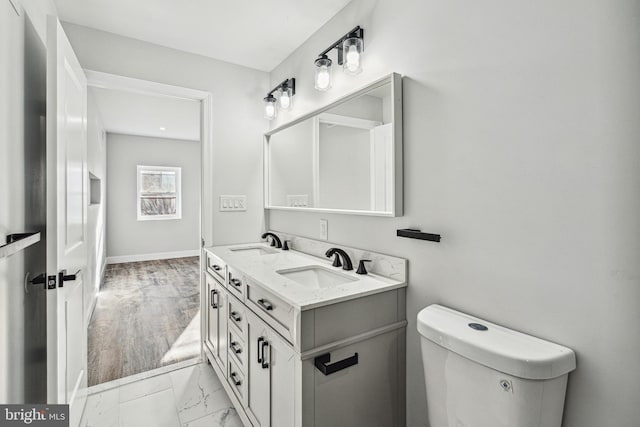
<point>178,172</point>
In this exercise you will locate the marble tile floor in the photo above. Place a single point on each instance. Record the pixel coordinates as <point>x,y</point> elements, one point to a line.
<point>188,397</point>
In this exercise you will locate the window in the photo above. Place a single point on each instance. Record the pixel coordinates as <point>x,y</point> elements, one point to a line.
<point>159,193</point>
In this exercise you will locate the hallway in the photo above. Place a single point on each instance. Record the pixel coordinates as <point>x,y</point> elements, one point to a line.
<point>147,316</point>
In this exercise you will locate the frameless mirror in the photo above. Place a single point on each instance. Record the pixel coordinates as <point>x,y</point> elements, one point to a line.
<point>343,158</point>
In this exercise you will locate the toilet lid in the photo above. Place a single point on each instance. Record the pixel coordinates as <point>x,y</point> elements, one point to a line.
<point>495,346</point>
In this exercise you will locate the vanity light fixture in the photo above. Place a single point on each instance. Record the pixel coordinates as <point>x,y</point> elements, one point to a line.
<point>350,48</point>
<point>284,100</point>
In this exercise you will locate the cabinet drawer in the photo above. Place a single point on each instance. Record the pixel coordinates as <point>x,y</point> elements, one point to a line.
<point>238,350</point>
<point>216,266</point>
<point>279,314</point>
<point>237,314</point>
<point>237,381</point>
<point>236,283</point>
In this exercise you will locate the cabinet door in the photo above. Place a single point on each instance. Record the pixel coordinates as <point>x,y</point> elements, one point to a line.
<point>259,391</point>
<point>271,376</point>
<point>223,321</point>
<point>211,336</point>
<point>283,369</point>
<point>216,333</point>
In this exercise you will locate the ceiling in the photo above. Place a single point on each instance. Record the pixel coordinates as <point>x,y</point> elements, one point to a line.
<point>136,114</point>
<point>255,33</point>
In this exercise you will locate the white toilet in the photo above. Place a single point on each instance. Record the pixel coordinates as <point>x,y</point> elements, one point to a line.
<point>479,374</point>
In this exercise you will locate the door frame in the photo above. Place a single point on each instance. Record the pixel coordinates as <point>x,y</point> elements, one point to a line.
<point>102,80</point>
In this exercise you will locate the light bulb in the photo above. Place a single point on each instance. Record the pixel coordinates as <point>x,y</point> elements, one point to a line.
<point>270,110</point>
<point>323,79</point>
<point>352,49</point>
<point>285,100</point>
<point>270,107</point>
<point>353,58</point>
<point>323,73</point>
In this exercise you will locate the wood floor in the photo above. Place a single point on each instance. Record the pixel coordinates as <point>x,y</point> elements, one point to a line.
<point>147,315</point>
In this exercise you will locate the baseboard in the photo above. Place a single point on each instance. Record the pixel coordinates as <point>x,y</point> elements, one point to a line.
<point>150,257</point>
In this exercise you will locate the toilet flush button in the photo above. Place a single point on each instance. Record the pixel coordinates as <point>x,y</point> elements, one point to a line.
<point>478,326</point>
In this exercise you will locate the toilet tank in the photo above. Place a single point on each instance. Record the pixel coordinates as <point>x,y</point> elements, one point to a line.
<point>479,374</point>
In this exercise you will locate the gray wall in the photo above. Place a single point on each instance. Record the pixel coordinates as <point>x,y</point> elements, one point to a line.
<point>22,197</point>
<point>125,234</point>
<point>237,109</point>
<point>521,147</point>
<point>96,221</point>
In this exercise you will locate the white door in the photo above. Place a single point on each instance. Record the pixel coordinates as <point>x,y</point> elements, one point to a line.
<point>67,180</point>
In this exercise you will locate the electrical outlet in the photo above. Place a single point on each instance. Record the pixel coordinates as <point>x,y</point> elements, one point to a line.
<point>324,229</point>
<point>233,203</point>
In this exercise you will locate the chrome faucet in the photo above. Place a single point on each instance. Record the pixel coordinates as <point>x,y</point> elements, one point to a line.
<point>346,261</point>
<point>275,240</point>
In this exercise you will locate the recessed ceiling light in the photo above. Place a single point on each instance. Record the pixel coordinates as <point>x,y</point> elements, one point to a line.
<point>163,128</point>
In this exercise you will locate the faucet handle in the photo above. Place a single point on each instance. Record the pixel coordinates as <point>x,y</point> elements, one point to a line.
<point>285,245</point>
<point>361,268</point>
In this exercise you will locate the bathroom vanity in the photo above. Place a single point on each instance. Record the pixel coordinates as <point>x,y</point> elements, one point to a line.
<point>297,342</point>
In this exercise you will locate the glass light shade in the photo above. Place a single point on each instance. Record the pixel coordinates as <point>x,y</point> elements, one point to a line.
<point>352,55</point>
<point>285,98</point>
<point>270,107</point>
<point>323,74</point>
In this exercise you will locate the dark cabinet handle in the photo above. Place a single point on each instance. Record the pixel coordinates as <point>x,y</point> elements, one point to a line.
<point>322,363</point>
<point>236,347</point>
<point>235,379</point>
<point>235,282</point>
<point>212,298</point>
<point>235,316</point>
<point>264,345</point>
<point>265,304</point>
<point>260,340</point>
<point>216,267</point>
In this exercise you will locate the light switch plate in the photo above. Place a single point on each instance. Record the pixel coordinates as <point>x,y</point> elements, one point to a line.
<point>324,229</point>
<point>233,203</point>
<point>297,201</point>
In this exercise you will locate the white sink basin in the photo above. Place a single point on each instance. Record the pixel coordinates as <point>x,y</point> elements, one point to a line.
<point>314,276</point>
<point>254,250</point>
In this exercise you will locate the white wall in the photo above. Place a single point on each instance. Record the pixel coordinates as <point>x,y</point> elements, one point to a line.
<point>521,148</point>
<point>126,235</point>
<point>96,221</point>
<point>22,59</point>
<point>237,127</point>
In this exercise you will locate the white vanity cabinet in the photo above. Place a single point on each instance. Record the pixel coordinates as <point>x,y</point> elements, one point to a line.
<point>339,364</point>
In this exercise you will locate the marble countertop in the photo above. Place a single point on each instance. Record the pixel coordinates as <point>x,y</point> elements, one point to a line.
<point>262,269</point>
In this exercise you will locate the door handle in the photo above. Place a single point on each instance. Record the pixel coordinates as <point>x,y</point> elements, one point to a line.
<point>322,363</point>
<point>212,298</point>
<point>64,277</point>
<point>264,345</point>
<point>260,340</point>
